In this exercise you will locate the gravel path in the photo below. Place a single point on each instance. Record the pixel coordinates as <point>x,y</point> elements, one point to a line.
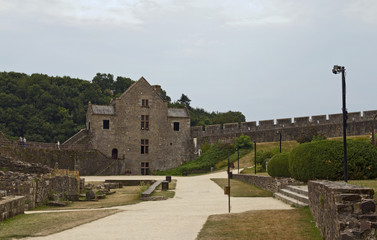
<point>179,218</point>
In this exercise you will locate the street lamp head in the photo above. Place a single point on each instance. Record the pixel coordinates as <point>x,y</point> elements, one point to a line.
<point>338,69</point>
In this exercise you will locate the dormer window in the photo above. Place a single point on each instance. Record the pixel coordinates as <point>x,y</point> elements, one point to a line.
<point>144,103</point>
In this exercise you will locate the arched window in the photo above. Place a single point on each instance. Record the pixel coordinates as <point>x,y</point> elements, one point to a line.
<point>114,153</point>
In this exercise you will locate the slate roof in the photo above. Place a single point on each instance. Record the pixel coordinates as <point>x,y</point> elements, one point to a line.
<point>103,110</point>
<point>178,113</point>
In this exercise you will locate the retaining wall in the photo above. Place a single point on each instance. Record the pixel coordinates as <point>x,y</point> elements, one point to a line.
<point>11,206</point>
<point>343,211</point>
<point>266,182</point>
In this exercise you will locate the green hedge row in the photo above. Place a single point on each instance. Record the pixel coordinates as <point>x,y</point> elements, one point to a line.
<point>278,166</point>
<point>324,160</point>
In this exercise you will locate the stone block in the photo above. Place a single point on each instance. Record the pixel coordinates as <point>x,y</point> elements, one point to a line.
<point>344,208</point>
<point>369,217</point>
<point>365,225</point>
<point>368,206</point>
<point>347,197</point>
<point>90,195</point>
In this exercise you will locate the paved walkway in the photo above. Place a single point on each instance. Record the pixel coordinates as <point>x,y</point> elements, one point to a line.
<point>179,218</point>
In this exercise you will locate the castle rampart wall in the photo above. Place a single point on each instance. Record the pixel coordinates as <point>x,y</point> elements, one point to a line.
<point>266,130</point>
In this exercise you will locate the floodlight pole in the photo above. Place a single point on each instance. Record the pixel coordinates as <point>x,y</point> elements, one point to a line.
<point>228,184</point>
<point>372,140</point>
<point>238,159</point>
<point>279,139</point>
<point>345,116</point>
<point>255,157</point>
<point>340,69</point>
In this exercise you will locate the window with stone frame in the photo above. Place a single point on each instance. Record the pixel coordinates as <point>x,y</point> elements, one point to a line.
<point>144,122</point>
<point>106,124</point>
<point>145,168</point>
<point>144,103</point>
<point>144,146</point>
<point>176,126</point>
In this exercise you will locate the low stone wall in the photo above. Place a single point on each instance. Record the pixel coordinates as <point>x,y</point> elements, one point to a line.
<point>37,190</point>
<point>11,206</point>
<point>343,211</point>
<point>266,182</point>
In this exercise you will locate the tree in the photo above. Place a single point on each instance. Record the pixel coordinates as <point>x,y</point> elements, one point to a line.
<point>185,100</point>
<point>104,81</point>
<point>242,142</point>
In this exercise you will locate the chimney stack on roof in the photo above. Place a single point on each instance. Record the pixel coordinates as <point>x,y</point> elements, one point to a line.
<point>157,88</point>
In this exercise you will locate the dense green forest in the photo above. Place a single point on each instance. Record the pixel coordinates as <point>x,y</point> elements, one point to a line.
<point>47,109</point>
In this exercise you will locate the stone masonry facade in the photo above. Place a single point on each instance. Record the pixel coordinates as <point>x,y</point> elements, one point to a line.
<point>343,211</point>
<point>140,129</point>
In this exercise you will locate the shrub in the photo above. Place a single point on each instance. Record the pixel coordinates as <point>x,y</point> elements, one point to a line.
<point>242,142</point>
<point>264,155</point>
<point>324,160</point>
<point>278,166</point>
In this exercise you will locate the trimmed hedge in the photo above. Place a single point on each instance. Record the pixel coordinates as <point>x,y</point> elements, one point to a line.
<point>278,166</point>
<point>324,160</point>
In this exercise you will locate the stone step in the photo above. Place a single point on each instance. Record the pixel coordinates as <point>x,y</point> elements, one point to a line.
<point>290,200</point>
<point>295,195</point>
<point>302,189</point>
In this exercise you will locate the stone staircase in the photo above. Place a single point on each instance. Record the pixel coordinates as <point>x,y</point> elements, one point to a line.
<point>294,195</point>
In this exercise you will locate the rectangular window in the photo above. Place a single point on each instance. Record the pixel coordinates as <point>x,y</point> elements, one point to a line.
<point>176,126</point>
<point>145,168</point>
<point>106,124</point>
<point>144,146</point>
<point>145,122</point>
<point>144,103</point>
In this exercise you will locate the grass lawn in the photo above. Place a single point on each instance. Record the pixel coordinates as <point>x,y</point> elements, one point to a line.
<point>42,224</point>
<point>296,224</point>
<point>241,189</point>
<point>123,196</point>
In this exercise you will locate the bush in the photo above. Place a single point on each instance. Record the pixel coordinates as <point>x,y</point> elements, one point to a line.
<point>278,166</point>
<point>242,142</point>
<point>264,155</point>
<point>324,160</point>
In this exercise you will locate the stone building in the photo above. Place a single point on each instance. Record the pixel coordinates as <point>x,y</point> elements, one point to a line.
<point>140,129</point>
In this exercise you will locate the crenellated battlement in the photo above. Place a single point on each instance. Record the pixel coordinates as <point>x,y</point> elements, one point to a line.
<point>265,130</point>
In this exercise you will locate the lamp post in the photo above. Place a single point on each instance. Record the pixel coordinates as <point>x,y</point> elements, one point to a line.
<point>255,157</point>
<point>228,184</point>
<point>238,160</point>
<point>278,132</point>
<point>374,119</point>
<point>340,69</point>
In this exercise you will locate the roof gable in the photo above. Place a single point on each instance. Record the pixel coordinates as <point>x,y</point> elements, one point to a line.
<point>140,81</point>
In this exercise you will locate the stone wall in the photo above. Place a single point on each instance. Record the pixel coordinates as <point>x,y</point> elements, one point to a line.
<point>36,184</point>
<point>11,206</point>
<point>266,182</point>
<point>266,131</point>
<point>38,189</point>
<point>343,211</point>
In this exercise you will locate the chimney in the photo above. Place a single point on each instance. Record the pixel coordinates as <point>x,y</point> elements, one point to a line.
<point>157,88</point>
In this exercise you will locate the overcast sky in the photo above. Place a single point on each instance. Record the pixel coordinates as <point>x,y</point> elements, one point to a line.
<point>268,59</point>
